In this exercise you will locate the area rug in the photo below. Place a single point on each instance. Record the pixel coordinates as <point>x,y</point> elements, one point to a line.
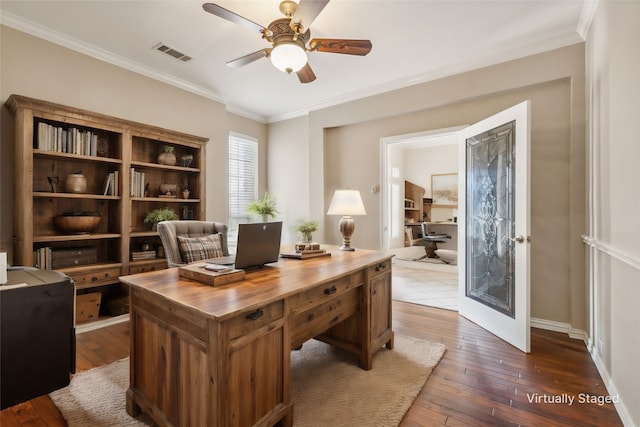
<point>414,253</point>
<point>327,387</point>
<point>425,260</point>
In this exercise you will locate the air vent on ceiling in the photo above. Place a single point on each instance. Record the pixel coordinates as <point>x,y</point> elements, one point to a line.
<point>161,47</point>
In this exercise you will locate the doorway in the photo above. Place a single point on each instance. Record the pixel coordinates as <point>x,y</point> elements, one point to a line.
<point>414,158</point>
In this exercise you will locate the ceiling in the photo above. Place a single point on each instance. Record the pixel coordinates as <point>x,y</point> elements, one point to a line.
<point>413,41</point>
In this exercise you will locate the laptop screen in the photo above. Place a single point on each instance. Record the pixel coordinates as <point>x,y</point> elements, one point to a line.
<point>258,244</point>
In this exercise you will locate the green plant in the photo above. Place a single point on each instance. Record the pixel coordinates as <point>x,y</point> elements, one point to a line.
<point>266,207</point>
<point>306,227</point>
<point>160,214</point>
<point>168,148</point>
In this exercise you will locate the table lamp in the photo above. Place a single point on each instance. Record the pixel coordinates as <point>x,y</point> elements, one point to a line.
<point>346,203</point>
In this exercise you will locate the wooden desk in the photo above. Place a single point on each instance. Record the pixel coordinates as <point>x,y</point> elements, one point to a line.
<point>219,356</point>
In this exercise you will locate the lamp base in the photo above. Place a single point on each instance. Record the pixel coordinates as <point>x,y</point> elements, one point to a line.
<point>347,226</point>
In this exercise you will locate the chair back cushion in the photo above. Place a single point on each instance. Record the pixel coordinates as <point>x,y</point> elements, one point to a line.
<point>199,248</point>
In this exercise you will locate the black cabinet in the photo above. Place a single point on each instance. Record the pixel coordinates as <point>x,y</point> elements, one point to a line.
<point>37,348</point>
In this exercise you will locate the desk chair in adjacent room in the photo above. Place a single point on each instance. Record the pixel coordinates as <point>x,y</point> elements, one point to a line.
<point>170,230</point>
<point>428,240</point>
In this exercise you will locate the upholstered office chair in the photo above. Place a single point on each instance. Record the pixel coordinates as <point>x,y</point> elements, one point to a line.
<point>170,230</point>
<point>428,240</point>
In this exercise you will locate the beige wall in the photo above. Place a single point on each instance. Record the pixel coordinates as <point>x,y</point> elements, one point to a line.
<point>289,174</point>
<point>39,69</point>
<point>420,164</point>
<point>613,67</point>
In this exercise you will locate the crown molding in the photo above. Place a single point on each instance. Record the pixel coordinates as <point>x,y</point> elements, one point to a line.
<point>233,109</point>
<point>589,8</point>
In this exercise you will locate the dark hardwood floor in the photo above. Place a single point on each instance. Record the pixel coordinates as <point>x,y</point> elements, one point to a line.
<point>481,381</point>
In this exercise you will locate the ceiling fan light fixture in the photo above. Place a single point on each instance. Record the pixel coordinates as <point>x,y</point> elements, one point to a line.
<point>288,56</point>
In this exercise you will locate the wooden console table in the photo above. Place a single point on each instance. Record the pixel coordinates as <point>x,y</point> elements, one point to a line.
<point>220,356</point>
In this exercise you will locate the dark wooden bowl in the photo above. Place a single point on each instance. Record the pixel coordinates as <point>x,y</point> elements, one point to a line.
<point>77,223</point>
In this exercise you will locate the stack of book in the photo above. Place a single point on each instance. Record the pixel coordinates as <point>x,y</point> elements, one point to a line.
<point>306,250</point>
<point>141,255</point>
<point>138,183</point>
<point>71,140</point>
<point>42,258</point>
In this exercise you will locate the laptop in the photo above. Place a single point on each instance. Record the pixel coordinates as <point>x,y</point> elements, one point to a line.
<point>258,244</point>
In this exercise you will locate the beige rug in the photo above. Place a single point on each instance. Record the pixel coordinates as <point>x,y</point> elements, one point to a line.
<point>327,387</point>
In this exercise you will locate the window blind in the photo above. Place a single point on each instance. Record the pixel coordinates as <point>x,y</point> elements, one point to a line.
<point>243,179</point>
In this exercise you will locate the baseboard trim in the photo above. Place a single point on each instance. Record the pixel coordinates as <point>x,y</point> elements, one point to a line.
<point>552,325</point>
<point>92,326</point>
<point>621,408</point>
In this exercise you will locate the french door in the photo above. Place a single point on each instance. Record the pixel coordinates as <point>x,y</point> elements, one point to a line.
<point>494,225</point>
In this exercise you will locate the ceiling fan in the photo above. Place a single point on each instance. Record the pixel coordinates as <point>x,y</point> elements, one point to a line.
<point>289,36</point>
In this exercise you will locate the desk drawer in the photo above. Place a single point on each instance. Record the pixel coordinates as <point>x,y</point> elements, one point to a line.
<point>318,294</point>
<point>252,320</point>
<point>147,266</point>
<point>89,279</point>
<point>323,316</point>
<point>379,268</point>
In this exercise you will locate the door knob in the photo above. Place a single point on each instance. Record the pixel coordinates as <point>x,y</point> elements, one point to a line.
<point>517,239</point>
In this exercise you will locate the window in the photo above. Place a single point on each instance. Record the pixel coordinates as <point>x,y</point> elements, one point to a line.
<point>243,181</point>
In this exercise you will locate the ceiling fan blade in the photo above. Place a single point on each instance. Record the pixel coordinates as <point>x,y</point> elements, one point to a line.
<point>306,74</point>
<point>306,12</point>
<point>232,17</point>
<point>248,59</point>
<point>349,47</point>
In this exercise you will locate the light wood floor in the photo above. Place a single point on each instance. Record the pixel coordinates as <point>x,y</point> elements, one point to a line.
<point>481,381</point>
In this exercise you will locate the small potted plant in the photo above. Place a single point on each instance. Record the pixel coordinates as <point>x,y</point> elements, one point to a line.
<point>306,228</point>
<point>160,214</point>
<point>266,207</point>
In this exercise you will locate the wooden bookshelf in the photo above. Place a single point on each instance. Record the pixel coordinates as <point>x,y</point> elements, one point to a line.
<point>53,141</point>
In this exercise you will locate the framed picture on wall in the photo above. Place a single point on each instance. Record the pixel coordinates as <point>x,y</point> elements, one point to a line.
<point>444,189</point>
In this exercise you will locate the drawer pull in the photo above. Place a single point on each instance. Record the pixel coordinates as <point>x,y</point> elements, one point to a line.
<point>380,267</point>
<point>255,315</point>
<point>331,290</point>
<point>94,279</point>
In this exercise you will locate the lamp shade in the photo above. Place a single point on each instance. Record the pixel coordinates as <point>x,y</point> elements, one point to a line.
<point>289,57</point>
<point>346,202</point>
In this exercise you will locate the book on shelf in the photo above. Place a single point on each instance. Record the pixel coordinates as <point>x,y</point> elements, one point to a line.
<point>42,258</point>
<point>111,184</point>
<point>137,183</point>
<point>107,184</point>
<point>70,140</point>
